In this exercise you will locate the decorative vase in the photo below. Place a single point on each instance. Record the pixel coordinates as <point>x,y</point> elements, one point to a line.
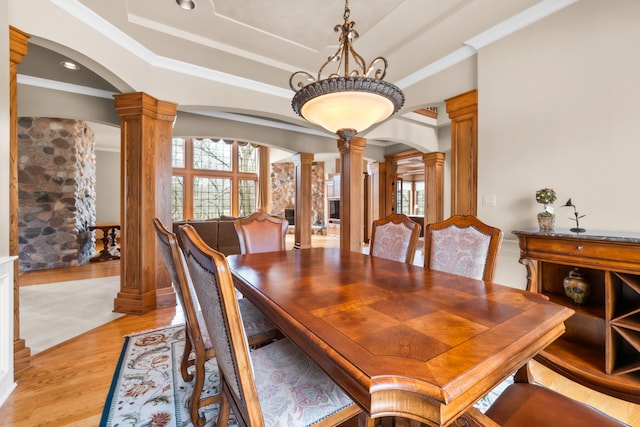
<point>546,222</point>
<point>576,287</point>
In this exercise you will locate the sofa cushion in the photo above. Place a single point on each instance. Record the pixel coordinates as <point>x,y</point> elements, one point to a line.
<point>228,242</point>
<point>218,233</point>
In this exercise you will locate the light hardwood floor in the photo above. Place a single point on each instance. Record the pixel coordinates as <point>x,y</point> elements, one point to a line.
<point>67,385</point>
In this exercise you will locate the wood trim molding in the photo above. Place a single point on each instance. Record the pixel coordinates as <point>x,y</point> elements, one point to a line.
<point>146,132</point>
<point>302,163</point>
<point>18,48</point>
<point>463,112</point>
<point>264,181</point>
<point>351,193</point>
<point>434,186</point>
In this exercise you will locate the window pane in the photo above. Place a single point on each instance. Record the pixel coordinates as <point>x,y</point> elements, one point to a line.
<point>177,153</point>
<point>403,197</point>
<point>247,158</point>
<point>211,155</point>
<point>211,197</point>
<point>177,204</point>
<point>247,197</point>
<point>419,202</point>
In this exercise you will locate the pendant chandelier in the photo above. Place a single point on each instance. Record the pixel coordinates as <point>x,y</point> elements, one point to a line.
<point>347,101</point>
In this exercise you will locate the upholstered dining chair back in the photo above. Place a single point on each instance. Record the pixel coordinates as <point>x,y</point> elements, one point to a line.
<point>197,337</point>
<point>261,232</point>
<point>395,237</point>
<point>462,245</point>
<point>526,403</point>
<point>269,386</point>
<point>258,328</point>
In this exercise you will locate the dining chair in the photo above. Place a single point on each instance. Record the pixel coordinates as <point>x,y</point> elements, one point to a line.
<point>274,385</point>
<point>261,232</point>
<point>395,237</point>
<point>462,245</point>
<point>524,403</point>
<point>259,329</point>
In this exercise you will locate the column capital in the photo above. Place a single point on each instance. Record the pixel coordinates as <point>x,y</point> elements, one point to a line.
<point>433,158</point>
<point>354,144</point>
<point>141,104</point>
<point>302,159</point>
<point>18,45</point>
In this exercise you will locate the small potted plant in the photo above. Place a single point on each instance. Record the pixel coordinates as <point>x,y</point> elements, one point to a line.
<point>546,218</point>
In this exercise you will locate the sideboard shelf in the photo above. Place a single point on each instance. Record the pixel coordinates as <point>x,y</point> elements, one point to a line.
<point>601,345</point>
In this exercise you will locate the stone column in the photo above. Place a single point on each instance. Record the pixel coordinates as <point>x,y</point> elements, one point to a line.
<point>434,187</point>
<point>146,132</point>
<point>18,48</point>
<point>302,164</point>
<point>351,193</point>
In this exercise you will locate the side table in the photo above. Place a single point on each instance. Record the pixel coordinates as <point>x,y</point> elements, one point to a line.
<point>110,249</point>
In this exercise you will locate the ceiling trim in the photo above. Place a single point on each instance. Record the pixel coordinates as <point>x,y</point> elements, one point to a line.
<point>517,22</point>
<point>495,33</point>
<point>261,122</point>
<point>506,27</point>
<point>64,87</point>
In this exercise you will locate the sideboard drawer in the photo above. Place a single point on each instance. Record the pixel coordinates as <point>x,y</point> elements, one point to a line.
<point>587,253</point>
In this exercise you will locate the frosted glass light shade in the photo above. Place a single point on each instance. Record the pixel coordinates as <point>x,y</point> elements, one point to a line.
<point>347,102</point>
<point>347,110</point>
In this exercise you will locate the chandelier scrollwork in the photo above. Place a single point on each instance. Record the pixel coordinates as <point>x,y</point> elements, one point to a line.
<point>358,92</point>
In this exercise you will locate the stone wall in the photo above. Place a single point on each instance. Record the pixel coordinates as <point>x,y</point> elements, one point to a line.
<point>57,197</point>
<point>283,190</point>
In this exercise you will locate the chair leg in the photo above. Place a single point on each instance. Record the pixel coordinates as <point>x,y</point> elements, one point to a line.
<point>223,415</point>
<point>184,364</point>
<point>198,385</point>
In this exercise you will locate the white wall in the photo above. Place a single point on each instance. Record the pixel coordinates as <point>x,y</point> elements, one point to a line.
<point>558,107</point>
<point>107,187</point>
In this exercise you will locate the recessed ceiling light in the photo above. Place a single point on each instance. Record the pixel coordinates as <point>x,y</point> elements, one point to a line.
<point>186,4</point>
<point>69,65</point>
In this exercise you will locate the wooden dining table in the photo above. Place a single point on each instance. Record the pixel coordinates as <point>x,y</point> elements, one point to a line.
<point>401,340</point>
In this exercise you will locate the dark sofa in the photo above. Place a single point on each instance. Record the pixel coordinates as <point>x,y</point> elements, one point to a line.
<point>216,232</point>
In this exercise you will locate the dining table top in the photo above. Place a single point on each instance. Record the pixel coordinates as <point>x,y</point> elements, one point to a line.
<point>402,340</point>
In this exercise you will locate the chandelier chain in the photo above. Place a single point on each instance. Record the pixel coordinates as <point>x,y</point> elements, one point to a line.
<point>347,35</point>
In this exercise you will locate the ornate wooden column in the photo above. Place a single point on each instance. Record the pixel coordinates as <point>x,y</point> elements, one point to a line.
<point>145,131</point>
<point>378,190</point>
<point>302,163</point>
<point>264,180</point>
<point>351,223</point>
<point>18,48</point>
<point>434,187</point>
<point>463,112</point>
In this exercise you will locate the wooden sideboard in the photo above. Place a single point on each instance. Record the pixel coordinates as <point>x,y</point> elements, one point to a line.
<point>601,346</point>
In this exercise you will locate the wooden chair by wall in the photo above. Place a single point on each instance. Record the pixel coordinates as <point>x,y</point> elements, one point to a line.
<point>261,232</point>
<point>395,237</point>
<point>252,383</point>
<point>259,328</point>
<point>462,245</point>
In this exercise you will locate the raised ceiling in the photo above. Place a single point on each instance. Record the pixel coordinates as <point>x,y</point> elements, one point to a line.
<point>239,54</point>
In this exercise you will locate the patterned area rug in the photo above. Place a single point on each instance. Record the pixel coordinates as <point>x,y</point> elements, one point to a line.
<point>147,388</point>
<point>148,391</point>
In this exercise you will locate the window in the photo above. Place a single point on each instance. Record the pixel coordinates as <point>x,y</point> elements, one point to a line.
<point>177,204</point>
<point>419,205</point>
<point>213,177</point>
<point>403,197</point>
